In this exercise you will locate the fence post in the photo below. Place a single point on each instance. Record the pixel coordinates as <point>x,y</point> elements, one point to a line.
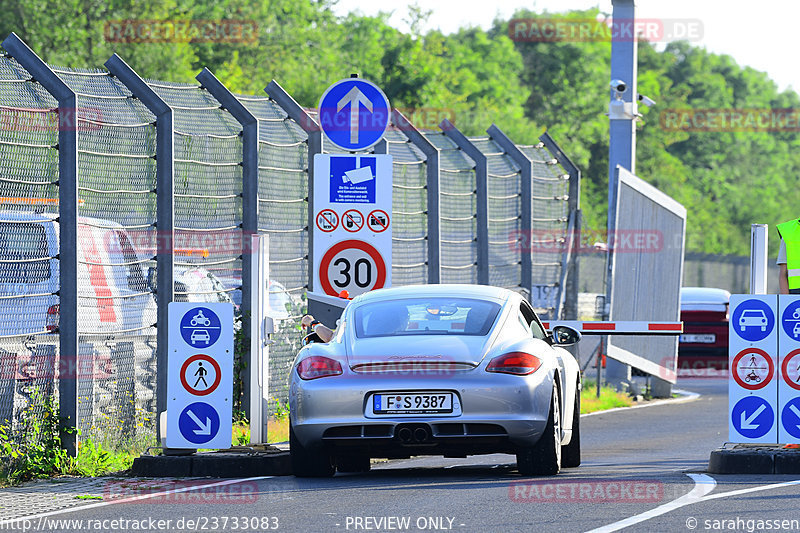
<point>165,215</point>
<point>381,147</point>
<point>569,300</point>
<point>314,132</point>
<point>250,136</point>
<point>432,192</point>
<point>482,192</point>
<point>526,175</point>
<point>68,229</point>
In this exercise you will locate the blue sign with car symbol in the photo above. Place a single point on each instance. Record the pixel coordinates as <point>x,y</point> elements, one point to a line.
<point>200,327</point>
<point>753,320</point>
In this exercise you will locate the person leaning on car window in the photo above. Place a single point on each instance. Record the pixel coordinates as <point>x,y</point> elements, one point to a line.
<point>789,257</point>
<point>323,332</point>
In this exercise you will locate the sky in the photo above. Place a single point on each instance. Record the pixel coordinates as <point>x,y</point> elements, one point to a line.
<point>763,35</point>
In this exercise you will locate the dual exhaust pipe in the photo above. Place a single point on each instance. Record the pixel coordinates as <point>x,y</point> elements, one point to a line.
<point>414,434</point>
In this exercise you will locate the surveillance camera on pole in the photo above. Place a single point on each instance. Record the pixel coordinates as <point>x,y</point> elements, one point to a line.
<point>619,109</point>
<point>649,102</point>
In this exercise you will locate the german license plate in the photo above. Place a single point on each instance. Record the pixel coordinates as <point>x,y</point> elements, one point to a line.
<point>416,403</point>
<point>705,338</point>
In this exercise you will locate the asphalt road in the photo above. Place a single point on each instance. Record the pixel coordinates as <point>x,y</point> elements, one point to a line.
<point>647,460</point>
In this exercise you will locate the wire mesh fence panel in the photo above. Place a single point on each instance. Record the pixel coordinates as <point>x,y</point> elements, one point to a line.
<point>207,189</point>
<point>283,215</point>
<point>458,212</point>
<point>29,265</point>
<point>409,210</point>
<point>116,305</point>
<point>549,219</point>
<point>505,207</point>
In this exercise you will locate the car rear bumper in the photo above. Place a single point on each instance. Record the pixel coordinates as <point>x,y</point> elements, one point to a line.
<point>498,412</point>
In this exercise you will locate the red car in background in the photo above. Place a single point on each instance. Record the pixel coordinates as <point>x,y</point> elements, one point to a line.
<point>703,346</point>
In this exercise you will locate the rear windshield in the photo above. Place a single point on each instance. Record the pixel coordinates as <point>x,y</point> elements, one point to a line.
<point>20,246</point>
<point>425,316</point>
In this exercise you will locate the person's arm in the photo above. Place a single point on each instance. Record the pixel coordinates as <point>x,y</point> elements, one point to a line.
<point>324,332</point>
<point>783,278</point>
<point>783,272</point>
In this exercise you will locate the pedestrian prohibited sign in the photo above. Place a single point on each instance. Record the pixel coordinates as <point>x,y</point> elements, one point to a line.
<point>199,375</point>
<point>752,368</point>
<point>790,369</point>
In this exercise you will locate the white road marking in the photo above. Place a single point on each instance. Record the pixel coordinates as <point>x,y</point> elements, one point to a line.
<point>686,396</point>
<point>703,485</point>
<point>129,500</point>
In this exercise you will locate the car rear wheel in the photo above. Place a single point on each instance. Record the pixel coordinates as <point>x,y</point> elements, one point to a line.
<point>571,453</point>
<point>544,457</point>
<point>352,463</point>
<point>309,463</point>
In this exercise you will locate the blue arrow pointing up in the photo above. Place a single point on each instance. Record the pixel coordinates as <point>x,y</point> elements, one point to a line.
<point>354,97</point>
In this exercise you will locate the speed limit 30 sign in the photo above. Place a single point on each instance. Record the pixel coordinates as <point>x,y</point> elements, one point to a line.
<point>354,255</point>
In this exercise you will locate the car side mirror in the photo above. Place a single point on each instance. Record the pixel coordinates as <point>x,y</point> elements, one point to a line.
<point>565,336</point>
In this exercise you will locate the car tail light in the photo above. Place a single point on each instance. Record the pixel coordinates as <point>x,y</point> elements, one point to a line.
<point>519,363</point>
<point>52,318</point>
<point>318,366</point>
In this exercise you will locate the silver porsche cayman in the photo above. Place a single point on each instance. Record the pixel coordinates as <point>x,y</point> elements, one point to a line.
<point>450,370</point>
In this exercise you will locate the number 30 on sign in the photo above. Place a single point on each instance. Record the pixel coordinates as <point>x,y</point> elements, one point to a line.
<point>353,266</point>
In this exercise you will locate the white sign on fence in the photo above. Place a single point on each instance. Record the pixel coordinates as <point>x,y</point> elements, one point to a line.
<point>353,223</point>
<point>200,375</point>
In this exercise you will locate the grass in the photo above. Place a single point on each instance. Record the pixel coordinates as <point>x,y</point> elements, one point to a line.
<point>277,431</point>
<point>609,398</point>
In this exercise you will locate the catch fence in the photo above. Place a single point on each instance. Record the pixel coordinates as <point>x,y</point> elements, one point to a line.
<point>121,194</point>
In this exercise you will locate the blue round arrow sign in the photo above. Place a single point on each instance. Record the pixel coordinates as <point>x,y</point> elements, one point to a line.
<point>198,423</point>
<point>790,417</point>
<point>354,114</point>
<point>752,417</point>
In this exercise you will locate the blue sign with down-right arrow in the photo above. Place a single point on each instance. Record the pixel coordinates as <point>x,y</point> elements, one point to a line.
<point>753,417</point>
<point>199,423</point>
<point>790,417</point>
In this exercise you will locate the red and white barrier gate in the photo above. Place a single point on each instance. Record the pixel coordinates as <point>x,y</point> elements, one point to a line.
<point>629,327</point>
<point>621,327</point>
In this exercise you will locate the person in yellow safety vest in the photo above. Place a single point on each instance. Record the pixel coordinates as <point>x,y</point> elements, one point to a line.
<point>789,257</point>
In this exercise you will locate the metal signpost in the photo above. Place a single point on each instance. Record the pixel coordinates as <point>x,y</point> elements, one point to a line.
<point>753,364</point>
<point>352,232</point>
<point>200,374</point>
